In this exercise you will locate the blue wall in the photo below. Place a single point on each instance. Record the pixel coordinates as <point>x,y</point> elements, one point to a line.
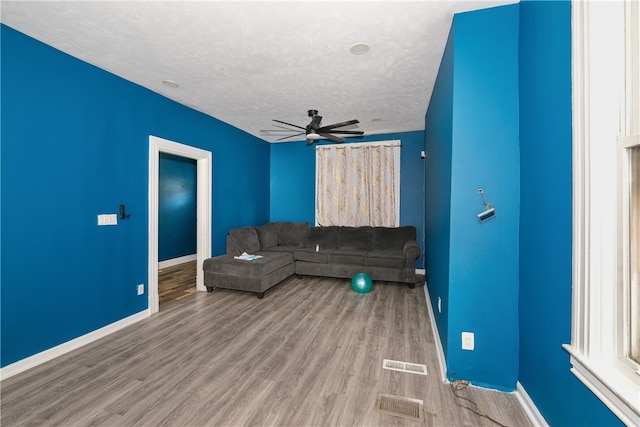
<point>293,174</point>
<point>461,146</point>
<point>546,219</point>
<point>479,140</point>
<point>75,144</point>
<point>176,207</point>
<point>438,164</point>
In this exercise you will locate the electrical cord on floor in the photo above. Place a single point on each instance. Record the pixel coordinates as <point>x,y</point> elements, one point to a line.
<point>464,402</point>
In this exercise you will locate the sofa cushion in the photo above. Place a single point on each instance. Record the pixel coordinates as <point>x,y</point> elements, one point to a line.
<point>387,259</point>
<point>354,238</point>
<point>351,257</point>
<point>292,233</point>
<point>245,239</point>
<point>324,237</point>
<point>390,238</point>
<point>310,255</point>
<point>267,235</point>
<point>283,248</point>
<point>227,264</point>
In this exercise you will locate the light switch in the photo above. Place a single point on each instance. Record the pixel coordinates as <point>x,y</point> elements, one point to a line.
<point>107,219</point>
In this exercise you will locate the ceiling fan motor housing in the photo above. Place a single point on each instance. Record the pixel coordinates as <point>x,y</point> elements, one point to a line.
<point>315,121</point>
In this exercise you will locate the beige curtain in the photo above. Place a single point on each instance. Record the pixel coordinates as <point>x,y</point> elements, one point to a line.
<point>358,184</point>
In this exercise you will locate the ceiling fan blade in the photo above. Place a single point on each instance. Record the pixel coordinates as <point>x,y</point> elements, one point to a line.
<point>280,128</point>
<point>349,132</point>
<point>291,136</point>
<point>337,125</point>
<point>331,137</point>
<point>290,124</point>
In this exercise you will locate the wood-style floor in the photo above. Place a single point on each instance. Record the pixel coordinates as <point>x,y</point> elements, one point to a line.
<point>176,282</point>
<point>309,354</point>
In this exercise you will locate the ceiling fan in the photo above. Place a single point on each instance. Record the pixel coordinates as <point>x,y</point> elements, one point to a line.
<point>314,131</point>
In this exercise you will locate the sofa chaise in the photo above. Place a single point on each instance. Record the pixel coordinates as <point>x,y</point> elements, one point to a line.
<point>387,254</point>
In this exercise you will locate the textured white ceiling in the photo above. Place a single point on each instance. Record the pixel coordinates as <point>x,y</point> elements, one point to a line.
<point>247,63</point>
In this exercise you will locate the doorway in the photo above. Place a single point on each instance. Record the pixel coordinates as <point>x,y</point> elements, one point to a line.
<point>176,228</point>
<point>204,162</point>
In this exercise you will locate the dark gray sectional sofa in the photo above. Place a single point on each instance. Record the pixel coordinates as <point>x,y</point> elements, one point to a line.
<point>385,253</point>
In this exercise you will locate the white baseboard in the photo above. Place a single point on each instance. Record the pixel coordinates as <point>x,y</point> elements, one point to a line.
<point>50,354</point>
<point>176,261</point>
<point>436,337</point>
<point>529,407</point>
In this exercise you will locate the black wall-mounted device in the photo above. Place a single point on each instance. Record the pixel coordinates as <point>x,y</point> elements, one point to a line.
<point>123,213</point>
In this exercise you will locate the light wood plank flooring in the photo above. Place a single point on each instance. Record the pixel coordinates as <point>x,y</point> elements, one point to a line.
<point>176,282</point>
<point>309,354</point>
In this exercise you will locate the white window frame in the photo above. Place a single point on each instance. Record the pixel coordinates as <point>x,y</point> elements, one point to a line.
<point>603,117</point>
<point>630,138</point>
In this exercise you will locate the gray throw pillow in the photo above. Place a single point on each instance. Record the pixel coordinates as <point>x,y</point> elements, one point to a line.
<point>246,239</point>
<point>390,238</point>
<point>268,235</point>
<point>324,237</point>
<point>292,233</point>
<point>354,238</point>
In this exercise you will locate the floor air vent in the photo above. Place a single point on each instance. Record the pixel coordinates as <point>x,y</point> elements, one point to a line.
<point>403,407</point>
<point>412,368</point>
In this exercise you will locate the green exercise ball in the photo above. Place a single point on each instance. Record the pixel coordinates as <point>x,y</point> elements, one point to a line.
<point>361,283</point>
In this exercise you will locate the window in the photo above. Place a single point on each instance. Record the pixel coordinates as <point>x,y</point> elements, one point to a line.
<point>358,184</point>
<point>604,347</point>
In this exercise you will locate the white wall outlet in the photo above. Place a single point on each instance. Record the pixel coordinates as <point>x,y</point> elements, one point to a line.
<point>439,305</point>
<point>468,341</point>
<point>140,289</point>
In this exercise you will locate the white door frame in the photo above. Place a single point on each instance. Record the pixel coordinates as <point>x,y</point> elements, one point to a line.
<point>204,186</point>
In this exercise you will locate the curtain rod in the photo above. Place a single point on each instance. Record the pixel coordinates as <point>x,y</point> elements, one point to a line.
<point>389,143</point>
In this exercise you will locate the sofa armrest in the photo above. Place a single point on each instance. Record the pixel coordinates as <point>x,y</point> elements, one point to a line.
<point>411,251</point>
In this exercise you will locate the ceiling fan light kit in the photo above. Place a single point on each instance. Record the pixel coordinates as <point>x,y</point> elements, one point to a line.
<point>314,132</point>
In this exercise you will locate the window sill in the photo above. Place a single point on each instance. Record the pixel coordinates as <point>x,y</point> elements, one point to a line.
<point>614,389</point>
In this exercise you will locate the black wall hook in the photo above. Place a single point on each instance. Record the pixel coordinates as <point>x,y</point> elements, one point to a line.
<point>123,213</point>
